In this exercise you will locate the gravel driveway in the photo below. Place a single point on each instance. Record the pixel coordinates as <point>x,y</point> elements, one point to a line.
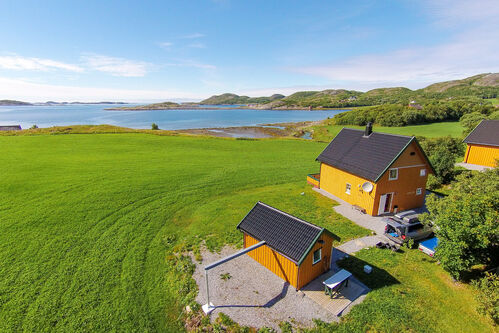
<point>254,296</point>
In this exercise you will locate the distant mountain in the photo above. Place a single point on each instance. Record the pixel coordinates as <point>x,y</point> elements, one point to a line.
<point>9,102</point>
<point>482,86</point>
<point>232,99</point>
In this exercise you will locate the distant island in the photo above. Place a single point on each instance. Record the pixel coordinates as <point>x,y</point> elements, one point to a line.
<point>482,88</point>
<point>9,102</point>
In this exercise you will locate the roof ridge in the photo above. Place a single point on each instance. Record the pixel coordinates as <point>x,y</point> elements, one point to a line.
<point>289,215</point>
<point>375,132</point>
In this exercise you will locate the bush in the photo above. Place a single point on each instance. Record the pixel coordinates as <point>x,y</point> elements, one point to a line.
<point>466,222</point>
<point>443,162</point>
<point>488,296</point>
<point>154,126</point>
<point>34,127</point>
<point>433,182</point>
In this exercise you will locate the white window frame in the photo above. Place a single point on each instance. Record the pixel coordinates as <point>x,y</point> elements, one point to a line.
<point>419,191</point>
<point>422,172</point>
<point>348,188</point>
<point>320,256</point>
<point>390,176</point>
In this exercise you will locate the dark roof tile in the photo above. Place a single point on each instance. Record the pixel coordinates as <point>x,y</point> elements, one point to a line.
<point>285,233</point>
<point>486,133</point>
<point>367,157</point>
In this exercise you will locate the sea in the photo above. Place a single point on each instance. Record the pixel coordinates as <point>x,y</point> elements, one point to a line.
<point>95,114</point>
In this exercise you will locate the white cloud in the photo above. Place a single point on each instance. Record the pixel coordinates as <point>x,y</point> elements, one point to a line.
<point>165,45</point>
<point>197,45</point>
<point>470,51</point>
<point>116,66</point>
<point>38,92</point>
<point>191,63</point>
<point>16,62</point>
<point>192,36</point>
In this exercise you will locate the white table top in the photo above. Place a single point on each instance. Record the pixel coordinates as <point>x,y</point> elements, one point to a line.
<point>337,278</point>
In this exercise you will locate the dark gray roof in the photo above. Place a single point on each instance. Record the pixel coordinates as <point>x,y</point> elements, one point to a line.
<point>368,157</point>
<point>10,128</point>
<point>284,233</point>
<point>486,133</point>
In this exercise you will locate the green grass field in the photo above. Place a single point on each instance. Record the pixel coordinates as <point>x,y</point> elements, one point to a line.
<point>327,132</point>
<point>93,227</point>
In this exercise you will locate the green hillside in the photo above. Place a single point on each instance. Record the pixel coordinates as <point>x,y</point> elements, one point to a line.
<point>478,87</point>
<point>236,99</point>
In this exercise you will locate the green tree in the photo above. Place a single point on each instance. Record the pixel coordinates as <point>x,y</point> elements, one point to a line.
<point>488,295</point>
<point>154,126</point>
<point>470,120</point>
<point>443,162</point>
<point>467,222</point>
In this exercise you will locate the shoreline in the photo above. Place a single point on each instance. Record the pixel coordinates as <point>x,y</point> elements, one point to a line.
<point>132,108</point>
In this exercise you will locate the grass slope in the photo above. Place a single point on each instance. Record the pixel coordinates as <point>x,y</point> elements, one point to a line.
<point>326,132</point>
<point>92,224</point>
<point>410,293</point>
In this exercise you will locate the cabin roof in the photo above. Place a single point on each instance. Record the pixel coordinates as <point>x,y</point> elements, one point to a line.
<point>366,156</point>
<point>10,128</point>
<point>285,233</point>
<point>486,133</point>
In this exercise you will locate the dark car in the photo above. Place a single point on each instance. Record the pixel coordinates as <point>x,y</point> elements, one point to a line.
<point>404,226</point>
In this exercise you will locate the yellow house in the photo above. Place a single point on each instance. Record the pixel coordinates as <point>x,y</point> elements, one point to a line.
<point>378,173</point>
<point>295,250</point>
<point>483,144</point>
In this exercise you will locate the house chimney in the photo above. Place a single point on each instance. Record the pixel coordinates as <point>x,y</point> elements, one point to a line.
<point>369,129</point>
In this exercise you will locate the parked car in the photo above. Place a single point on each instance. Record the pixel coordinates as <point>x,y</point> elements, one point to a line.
<point>428,246</point>
<point>404,226</point>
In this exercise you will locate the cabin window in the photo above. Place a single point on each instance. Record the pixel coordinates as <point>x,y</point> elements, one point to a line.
<point>413,153</point>
<point>393,174</point>
<point>419,190</point>
<point>348,187</point>
<point>317,256</point>
<point>422,172</point>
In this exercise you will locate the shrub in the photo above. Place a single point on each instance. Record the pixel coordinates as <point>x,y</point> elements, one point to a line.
<point>154,126</point>
<point>466,222</point>
<point>34,127</point>
<point>433,182</point>
<point>488,295</point>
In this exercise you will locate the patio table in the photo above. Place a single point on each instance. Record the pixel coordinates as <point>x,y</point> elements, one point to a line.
<point>336,282</point>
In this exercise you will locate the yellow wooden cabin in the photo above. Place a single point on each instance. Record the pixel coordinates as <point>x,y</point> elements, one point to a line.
<point>378,173</point>
<point>483,144</point>
<point>295,250</point>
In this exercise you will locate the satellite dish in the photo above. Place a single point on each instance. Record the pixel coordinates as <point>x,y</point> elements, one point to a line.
<point>367,187</point>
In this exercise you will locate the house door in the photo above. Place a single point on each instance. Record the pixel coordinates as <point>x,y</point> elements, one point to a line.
<point>385,203</point>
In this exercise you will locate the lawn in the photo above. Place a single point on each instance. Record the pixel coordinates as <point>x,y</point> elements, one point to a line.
<point>92,224</point>
<point>326,132</point>
<point>93,227</point>
<point>410,293</point>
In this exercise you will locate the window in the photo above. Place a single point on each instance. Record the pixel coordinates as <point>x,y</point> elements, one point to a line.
<point>348,188</point>
<point>412,153</point>
<point>317,256</point>
<point>419,190</point>
<point>422,172</point>
<point>393,174</point>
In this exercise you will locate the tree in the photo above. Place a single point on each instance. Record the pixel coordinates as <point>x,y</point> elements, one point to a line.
<point>443,162</point>
<point>488,295</point>
<point>467,222</point>
<point>154,126</point>
<point>470,120</point>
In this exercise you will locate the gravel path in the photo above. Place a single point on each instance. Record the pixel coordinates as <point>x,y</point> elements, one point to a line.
<point>254,296</point>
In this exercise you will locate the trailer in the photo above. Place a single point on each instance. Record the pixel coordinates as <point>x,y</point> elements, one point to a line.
<point>428,246</point>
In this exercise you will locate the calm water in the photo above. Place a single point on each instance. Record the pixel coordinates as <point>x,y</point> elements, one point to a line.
<point>46,116</point>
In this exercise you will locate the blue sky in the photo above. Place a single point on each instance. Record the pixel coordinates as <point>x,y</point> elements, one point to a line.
<point>187,50</point>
